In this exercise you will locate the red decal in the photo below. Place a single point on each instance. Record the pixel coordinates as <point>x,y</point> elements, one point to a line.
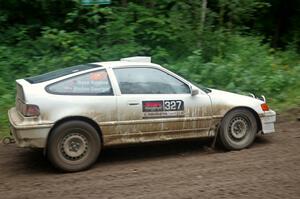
<point>152,104</point>
<point>97,76</point>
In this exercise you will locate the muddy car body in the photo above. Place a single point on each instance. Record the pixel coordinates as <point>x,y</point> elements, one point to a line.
<point>74,112</point>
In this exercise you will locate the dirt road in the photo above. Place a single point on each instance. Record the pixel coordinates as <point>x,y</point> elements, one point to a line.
<point>269,169</point>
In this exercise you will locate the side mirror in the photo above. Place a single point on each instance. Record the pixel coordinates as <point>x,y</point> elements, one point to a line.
<point>195,91</point>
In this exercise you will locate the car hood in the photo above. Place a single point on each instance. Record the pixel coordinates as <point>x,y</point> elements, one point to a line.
<point>226,100</point>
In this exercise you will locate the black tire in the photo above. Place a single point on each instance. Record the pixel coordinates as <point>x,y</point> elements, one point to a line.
<point>238,129</point>
<point>73,146</point>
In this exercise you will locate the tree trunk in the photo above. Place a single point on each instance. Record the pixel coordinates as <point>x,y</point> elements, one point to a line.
<point>124,3</point>
<point>203,14</point>
<point>202,22</point>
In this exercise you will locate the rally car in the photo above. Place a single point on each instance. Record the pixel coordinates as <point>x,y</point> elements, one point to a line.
<point>74,112</point>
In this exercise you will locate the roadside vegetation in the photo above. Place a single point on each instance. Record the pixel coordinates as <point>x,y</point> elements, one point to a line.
<point>240,46</point>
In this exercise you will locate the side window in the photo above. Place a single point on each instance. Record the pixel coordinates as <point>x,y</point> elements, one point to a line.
<point>93,83</point>
<point>148,81</point>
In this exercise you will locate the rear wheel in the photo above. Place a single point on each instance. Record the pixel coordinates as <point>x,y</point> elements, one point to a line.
<point>73,146</point>
<point>238,129</point>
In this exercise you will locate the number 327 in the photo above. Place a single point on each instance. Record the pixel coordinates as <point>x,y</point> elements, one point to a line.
<point>173,105</point>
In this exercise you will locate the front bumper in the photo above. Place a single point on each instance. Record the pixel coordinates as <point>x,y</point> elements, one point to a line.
<point>28,132</point>
<point>268,120</point>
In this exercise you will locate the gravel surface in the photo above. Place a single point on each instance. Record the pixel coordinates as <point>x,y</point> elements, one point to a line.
<point>185,169</point>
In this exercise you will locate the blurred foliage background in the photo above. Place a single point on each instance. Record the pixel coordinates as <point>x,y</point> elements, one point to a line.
<point>236,45</point>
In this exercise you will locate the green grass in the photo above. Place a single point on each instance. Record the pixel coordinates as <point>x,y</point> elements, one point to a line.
<point>290,98</point>
<point>4,133</point>
<point>4,128</point>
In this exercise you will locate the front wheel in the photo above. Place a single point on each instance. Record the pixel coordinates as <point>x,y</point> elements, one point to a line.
<point>238,129</point>
<point>73,146</point>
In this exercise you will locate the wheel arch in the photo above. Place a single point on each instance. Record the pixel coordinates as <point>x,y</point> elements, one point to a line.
<point>80,118</point>
<point>257,118</point>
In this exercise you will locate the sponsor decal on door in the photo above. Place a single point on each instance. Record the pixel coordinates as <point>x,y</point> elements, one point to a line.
<point>163,108</point>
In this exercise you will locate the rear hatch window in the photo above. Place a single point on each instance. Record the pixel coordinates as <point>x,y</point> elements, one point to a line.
<point>59,73</point>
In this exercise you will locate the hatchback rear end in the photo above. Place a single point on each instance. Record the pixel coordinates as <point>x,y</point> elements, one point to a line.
<point>29,121</point>
<point>26,125</point>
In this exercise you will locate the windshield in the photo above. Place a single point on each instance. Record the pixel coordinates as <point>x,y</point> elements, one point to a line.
<point>59,73</point>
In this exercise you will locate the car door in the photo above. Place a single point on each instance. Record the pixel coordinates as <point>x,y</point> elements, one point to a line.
<point>154,104</point>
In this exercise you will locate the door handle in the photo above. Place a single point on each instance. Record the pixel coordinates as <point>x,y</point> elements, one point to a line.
<point>133,103</point>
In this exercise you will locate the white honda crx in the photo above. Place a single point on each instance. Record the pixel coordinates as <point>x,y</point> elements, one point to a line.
<point>74,112</point>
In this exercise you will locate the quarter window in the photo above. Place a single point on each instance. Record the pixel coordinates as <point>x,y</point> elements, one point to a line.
<point>93,83</point>
<point>148,81</point>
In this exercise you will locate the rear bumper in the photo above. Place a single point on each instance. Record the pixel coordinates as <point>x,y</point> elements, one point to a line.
<point>28,132</point>
<point>268,120</point>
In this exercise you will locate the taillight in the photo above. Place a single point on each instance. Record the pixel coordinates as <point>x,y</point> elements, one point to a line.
<point>31,110</point>
<point>264,107</point>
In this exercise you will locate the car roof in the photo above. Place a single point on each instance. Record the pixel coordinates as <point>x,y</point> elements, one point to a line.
<point>68,72</point>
